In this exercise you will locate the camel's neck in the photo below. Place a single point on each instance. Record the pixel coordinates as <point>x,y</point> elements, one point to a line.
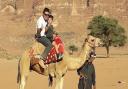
<point>77,62</point>
<point>84,53</point>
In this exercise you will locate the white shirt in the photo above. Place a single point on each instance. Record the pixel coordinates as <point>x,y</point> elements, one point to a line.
<point>41,23</point>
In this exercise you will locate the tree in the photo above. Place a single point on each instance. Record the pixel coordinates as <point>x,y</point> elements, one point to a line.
<point>72,48</point>
<point>108,30</point>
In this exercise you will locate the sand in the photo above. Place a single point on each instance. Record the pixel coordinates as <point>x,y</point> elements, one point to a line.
<point>109,72</point>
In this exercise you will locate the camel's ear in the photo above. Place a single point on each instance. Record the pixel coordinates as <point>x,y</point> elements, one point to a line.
<point>84,42</point>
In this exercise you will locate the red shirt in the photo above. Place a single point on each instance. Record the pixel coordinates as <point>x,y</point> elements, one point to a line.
<point>59,42</point>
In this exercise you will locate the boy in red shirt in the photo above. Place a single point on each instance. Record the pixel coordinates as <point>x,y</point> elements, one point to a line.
<point>59,46</point>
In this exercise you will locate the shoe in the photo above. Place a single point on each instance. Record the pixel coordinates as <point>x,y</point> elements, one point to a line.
<point>41,62</point>
<point>59,56</point>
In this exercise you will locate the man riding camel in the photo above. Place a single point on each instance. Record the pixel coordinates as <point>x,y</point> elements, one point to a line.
<point>48,37</point>
<point>50,29</point>
<point>40,35</point>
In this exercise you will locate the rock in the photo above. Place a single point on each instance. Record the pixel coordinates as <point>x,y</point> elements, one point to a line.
<point>119,82</point>
<point>8,9</point>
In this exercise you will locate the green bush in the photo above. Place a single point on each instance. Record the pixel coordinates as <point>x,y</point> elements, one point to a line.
<point>108,30</point>
<point>72,48</point>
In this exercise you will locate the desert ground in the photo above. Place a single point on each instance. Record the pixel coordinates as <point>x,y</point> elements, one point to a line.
<point>111,73</point>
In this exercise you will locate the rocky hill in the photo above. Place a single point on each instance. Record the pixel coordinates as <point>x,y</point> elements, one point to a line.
<point>68,12</point>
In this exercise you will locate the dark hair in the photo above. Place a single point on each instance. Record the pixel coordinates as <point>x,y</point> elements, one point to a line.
<point>46,10</point>
<point>54,32</point>
<point>51,16</point>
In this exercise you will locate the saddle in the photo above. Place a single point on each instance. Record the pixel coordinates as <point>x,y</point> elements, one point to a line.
<point>51,58</point>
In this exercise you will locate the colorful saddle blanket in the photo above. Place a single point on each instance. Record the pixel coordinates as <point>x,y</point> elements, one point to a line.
<point>51,58</point>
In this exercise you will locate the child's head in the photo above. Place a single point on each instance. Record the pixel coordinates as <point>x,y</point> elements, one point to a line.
<point>55,34</point>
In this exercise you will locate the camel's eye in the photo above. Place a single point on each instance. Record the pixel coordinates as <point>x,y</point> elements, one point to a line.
<point>92,40</point>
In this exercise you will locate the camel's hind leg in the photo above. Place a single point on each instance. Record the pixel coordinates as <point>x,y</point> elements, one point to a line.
<point>22,82</point>
<point>59,83</point>
<point>23,70</point>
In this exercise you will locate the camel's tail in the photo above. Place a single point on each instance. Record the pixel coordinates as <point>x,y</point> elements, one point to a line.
<point>18,75</point>
<point>50,80</point>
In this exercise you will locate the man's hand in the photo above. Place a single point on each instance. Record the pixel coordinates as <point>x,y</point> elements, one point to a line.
<point>94,86</point>
<point>93,54</point>
<point>37,36</point>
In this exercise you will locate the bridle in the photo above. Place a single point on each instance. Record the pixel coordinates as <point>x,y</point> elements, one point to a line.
<point>92,45</point>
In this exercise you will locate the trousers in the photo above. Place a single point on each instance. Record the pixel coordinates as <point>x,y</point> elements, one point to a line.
<point>48,45</point>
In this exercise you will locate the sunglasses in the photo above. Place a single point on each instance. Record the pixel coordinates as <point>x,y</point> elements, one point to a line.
<point>46,14</point>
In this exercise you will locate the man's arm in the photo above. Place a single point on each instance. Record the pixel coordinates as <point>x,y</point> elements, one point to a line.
<point>94,86</point>
<point>37,35</point>
<point>46,28</point>
<point>39,31</point>
<point>49,32</point>
<point>39,25</point>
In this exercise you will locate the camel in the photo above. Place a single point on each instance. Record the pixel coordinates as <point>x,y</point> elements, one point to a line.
<point>56,70</point>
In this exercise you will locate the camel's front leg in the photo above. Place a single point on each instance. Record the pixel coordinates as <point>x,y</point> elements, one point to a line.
<point>59,83</point>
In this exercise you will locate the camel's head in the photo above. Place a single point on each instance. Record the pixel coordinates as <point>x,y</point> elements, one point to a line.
<point>93,41</point>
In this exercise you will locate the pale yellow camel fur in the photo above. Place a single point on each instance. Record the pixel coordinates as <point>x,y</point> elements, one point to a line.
<point>57,70</point>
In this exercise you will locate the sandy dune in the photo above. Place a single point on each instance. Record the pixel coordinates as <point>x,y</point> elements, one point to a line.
<point>108,70</point>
